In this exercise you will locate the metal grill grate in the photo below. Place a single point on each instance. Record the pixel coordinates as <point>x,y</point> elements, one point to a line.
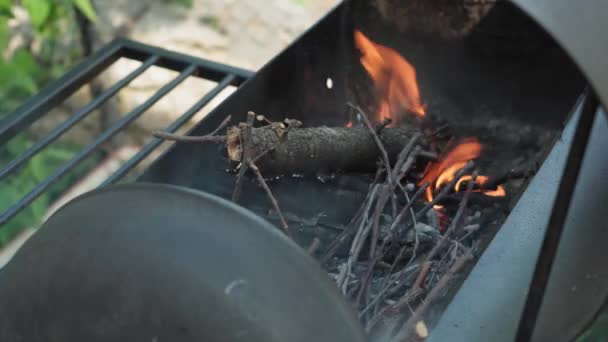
<point>60,90</point>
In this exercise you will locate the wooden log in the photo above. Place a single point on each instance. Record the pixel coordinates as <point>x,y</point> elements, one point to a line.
<point>317,149</point>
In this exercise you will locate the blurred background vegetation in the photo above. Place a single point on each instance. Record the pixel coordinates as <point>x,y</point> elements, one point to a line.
<point>45,48</point>
<point>39,41</point>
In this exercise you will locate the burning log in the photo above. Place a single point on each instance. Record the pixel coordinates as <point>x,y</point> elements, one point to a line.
<point>317,149</point>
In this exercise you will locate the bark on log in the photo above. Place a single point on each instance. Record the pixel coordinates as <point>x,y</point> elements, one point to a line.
<point>317,149</point>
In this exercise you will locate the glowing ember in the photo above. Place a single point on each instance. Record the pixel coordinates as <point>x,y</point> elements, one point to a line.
<point>481,180</point>
<point>394,78</point>
<point>443,172</point>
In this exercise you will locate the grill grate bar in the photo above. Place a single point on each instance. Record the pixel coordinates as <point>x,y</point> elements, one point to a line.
<point>177,61</point>
<point>148,148</point>
<point>113,130</point>
<point>40,104</point>
<point>74,119</point>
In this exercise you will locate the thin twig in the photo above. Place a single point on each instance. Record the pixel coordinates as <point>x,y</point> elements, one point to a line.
<point>385,159</point>
<point>222,125</point>
<point>377,256</point>
<point>387,162</point>
<point>401,167</point>
<point>388,290</point>
<point>405,152</point>
<point>395,223</point>
<point>186,138</point>
<point>247,151</point>
<point>273,200</point>
<point>356,244</point>
<point>405,167</point>
<point>396,307</point>
<point>426,266</point>
<point>428,155</point>
<point>445,190</point>
<point>433,296</point>
<point>334,245</point>
<point>455,220</point>
<point>399,217</point>
<point>385,193</point>
<point>314,246</point>
<point>211,137</point>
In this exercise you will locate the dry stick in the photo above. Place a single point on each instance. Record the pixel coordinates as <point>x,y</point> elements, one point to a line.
<point>424,270</point>
<point>387,163</point>
<point>398,306</point>
<point>455,220</point>
<point>435,293</point>
<point>333,246</point>
<point>408,206</point>
<point>314,246</point>
<point>402,166</point>
<point>429,155</point>
<point>356,244</point>
<point>416,240</point>
<point>385,159</point>
<point>388,290</point>
<point>403,155</point>
<point>247,151</point>
<point>273,200</point>
<point>405,167</point>
<point>445,190</point>
<point>211,137</point>
<point>396,222</point>
<point>397,173</point>
<point>219,139</point>
<point>399,217</point>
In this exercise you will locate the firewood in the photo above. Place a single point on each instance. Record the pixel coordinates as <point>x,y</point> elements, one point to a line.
<point>317,149</point>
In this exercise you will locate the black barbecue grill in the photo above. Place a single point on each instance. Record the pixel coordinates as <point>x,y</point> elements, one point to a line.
<point>276,90</point>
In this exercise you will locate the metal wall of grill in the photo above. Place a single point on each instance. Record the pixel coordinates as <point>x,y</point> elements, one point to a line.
<point>39,105</point>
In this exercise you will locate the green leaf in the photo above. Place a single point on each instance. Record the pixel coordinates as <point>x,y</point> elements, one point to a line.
<point>20,72</point>
<point>86,8</point>
<point>25,62</point>
<point>185,3</point>
<point>4,32</point>
<point>38,168</point>
<point>39,207</point>
<point>5,8</point>
<point>38,10</point>
<point>61,153</point>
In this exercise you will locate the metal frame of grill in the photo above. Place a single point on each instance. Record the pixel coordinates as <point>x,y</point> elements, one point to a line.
<point>58,91</point>
<point>225,75</point>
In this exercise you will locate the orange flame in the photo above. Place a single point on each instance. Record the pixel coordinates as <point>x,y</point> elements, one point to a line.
<point>443,172</point>
<point>481,180</point>
<point>394,78</point>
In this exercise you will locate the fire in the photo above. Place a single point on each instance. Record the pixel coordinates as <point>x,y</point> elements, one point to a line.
<point>443,172</point>
<point>394,78</point>
<point>481,180</point>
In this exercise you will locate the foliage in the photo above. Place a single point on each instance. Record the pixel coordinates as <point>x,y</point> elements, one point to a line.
<point>185,3</point>
<point>21,75</point>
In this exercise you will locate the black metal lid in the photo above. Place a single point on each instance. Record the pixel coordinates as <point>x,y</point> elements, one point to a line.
<point>579,27</point>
